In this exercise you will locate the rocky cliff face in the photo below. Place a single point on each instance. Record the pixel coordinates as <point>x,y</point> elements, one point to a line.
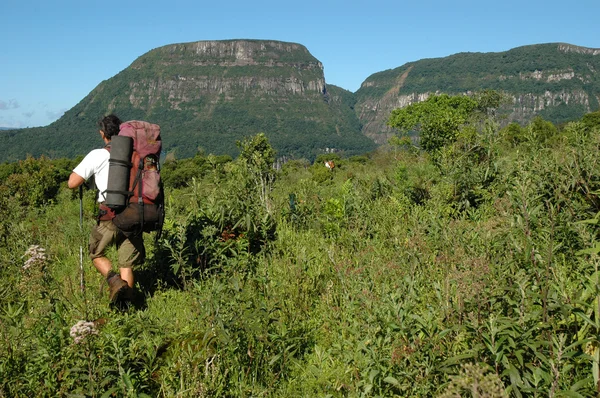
<point>211,69</point>
<point>557,81</point>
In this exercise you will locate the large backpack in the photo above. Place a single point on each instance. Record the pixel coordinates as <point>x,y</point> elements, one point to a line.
<point>134,192</point>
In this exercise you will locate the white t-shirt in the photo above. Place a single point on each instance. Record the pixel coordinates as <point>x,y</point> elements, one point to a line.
<point>95,164</point>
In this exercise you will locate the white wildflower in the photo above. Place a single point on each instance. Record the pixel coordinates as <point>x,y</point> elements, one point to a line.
<point>82,329</point>
<point>36,255</point>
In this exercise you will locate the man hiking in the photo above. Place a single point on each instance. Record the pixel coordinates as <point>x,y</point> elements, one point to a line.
<point>130,249</point>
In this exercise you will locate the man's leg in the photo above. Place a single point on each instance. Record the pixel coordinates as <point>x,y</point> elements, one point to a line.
<point>103,235</point>
<point>103,265</point>
<point>127,276</point>
<point>131,253</point>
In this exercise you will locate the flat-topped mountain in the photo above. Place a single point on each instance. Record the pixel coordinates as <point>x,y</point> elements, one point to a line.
<point>208,95</point>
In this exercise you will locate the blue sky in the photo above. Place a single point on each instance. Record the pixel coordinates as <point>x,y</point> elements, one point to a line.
<point>53,53</point>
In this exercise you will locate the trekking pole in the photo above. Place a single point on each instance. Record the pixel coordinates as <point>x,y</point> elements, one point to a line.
<point>81,281</point>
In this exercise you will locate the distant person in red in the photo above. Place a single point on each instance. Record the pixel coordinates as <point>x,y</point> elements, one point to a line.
<point>130,249</point>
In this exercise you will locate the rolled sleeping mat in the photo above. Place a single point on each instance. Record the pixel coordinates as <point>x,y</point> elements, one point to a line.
<point>119,167</point>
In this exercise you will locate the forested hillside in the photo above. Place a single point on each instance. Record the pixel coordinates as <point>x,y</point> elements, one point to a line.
<point>468,266</point>
<point>559,82</point>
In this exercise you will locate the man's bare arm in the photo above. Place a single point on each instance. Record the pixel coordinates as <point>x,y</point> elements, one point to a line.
<point>75,180</point>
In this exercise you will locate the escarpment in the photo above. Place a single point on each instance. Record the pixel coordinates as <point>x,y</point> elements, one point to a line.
<point>559,82</point>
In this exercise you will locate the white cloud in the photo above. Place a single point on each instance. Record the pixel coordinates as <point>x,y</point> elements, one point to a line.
<point>11,104</point>
<point>28,115</point>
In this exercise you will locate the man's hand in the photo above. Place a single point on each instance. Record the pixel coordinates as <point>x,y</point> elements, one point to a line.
<point>75,180</point>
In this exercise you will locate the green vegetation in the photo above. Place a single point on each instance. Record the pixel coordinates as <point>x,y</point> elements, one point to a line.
<point>438,119</point>
<point>470,269</point>
<point>503,71</point>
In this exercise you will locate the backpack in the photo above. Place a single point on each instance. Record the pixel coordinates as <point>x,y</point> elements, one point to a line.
<point>135,192</point>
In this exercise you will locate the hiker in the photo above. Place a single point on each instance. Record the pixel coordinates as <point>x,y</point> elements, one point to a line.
<point>130,249</point>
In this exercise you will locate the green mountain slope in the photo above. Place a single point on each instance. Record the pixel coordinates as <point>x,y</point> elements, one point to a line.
<point>207,95</point>
<point>557,81</point>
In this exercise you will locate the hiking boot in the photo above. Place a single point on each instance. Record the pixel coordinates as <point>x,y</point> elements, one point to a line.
<point>126,294</point>
<point>116,285</point>
<point>123,301</point>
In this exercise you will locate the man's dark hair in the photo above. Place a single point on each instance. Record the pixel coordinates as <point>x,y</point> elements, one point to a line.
<point>110,125</point>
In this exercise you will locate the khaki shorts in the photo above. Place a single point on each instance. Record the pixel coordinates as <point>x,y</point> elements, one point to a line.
<point>130,250</point>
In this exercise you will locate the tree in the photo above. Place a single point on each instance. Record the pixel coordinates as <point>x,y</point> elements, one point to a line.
<point>513,133</point>
<point>591,120</point>
<point>259,156</point>
<point>488,101</point>
<point>540,130</point>
<point>438,119</point>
